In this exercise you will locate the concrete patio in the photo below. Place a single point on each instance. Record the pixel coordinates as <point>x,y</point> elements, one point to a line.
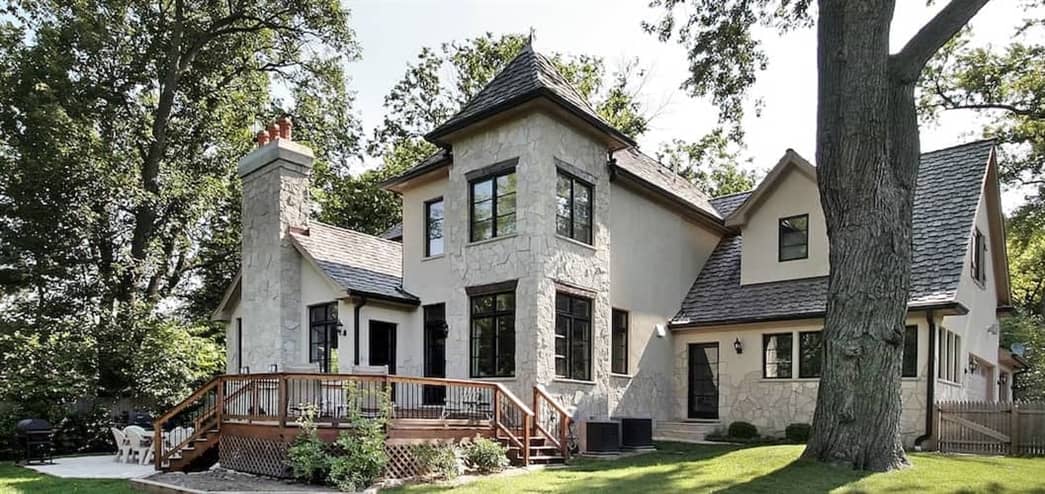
<point>93,467</point>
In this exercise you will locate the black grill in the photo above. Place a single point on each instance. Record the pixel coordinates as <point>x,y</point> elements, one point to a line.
<point>36,440</point>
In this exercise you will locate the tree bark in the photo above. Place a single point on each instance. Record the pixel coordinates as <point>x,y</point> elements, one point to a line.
<point>868,155</point>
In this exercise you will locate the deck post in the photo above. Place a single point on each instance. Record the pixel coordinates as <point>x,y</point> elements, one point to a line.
<point>496,413</point>
<point>219,405</point>
<point>282,399</point>
<point>157,444</point>
<point>526,439</point>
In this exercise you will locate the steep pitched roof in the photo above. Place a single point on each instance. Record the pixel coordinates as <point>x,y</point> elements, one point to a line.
<point>354,261</point>
<point>725,205</point>
<point>529,75</point>
<point>433,162</point>
<point>790,160</point>
<point>650,172</point>
<point>949,185</point>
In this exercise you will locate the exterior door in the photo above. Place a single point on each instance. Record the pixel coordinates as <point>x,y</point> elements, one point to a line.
<point>383,345</point>
<point>703,381</point>
<point>435,331</point>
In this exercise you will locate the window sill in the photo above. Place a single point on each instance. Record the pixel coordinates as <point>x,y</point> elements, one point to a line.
<point>573,381</point>
<point>494,379</point>
<point>949,383</point>
<point>621,376</point>
<point>433,258</point>
<point>481,242</point>
<point>575,242</point>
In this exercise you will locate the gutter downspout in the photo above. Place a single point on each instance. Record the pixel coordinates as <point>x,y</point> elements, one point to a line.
<point>930,402</point>
<point>360,302</point>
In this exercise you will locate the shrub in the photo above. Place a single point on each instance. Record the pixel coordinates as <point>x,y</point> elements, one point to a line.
<point>798,433</point>
<point>309,460</point>
<point>439,461</point>
<point>486,455</point>
<point>361,457</point>
<point>743,430</point>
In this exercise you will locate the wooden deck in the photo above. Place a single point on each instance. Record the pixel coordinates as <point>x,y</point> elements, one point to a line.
<point>251,419</point>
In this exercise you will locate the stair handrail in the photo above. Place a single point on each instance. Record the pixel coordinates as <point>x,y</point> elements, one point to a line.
<point>159,455</point>
<point>561,442</point>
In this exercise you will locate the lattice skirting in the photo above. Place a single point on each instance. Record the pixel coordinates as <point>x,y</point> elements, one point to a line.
<point>269,457</point>
<point>254,455</point>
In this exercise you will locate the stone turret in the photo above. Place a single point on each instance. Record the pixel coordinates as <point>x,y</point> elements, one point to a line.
<point>275,199</point>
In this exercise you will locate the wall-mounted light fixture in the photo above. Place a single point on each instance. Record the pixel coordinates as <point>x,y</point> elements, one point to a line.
<point>244,370</point>
<point>341,329</point>
<point>274,368</point>
<point>973,365</point>
<point>1003,379</point>
<point>738,346</point>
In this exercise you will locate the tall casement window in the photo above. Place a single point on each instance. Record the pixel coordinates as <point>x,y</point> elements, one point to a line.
<point>572,337</point>
<point>493,335</point>
<point>493,206</point>
<point>910,352</point>
<point>810,353</point>
<point>322,334</point>
<point>619,343</point>
<point>434,227</point>
<point>239,344</point>
<point>776,356</point>
<point>950,351</point>
<point>573,211</point>
<point>794,238</point>
<point>979,245</point>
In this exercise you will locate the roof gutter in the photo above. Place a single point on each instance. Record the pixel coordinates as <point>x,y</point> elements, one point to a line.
<point>930,388</point>
<point>947,308</point>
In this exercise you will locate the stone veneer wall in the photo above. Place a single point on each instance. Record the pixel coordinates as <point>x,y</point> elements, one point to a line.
<point>275,197</point>
<point>773,404</point>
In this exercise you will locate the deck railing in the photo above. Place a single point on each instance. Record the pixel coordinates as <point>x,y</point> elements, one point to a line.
<point>281,398</point>
<point>552,420</point>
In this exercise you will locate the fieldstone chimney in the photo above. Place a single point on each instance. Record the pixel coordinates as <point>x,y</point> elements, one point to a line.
<point>275,198</point>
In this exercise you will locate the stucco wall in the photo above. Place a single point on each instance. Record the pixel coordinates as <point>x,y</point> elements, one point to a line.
<point>773,404</point>
<point>794,194</point>
<point>979,329</point>
<point>654,257</point>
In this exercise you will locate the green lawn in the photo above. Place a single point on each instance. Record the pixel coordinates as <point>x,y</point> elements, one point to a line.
<point>17,480</point>
<point>689,468</point>
<point>770,469</point>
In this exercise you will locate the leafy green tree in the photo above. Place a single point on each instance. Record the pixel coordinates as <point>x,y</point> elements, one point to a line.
<point>123,123</point>
<point>867,151</point>
<point>1025,328</point>
<point>710,163</point>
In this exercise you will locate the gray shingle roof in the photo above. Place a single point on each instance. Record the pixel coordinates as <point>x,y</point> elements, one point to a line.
<point>527,76</point>
<point>434,161</point>
<point>725,205</point>
<point>393,233</point>
<point>950,182</point>
<point>356,261</point>
<point>652,172</point>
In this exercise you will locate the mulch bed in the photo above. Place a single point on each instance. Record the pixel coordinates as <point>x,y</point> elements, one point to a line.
<point>228,481</point>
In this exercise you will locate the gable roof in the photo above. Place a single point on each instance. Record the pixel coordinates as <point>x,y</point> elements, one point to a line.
<point>725,205</point>
<point>355,262</point>
<point>434,161</point>
<point>649,172</point>
<point>791,159</point>
<point>947,195</point>
<point>528,76</point>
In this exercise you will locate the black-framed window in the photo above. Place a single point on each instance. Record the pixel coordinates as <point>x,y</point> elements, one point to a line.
<point>322,333</point>
<point>810,353</point>
<point>910,352</point>
<point>619,342</point>
<point>492,201</point>
<point>573,208</point>
<point>979,245</point>
<point>239,344</point>
<point>434,227</point>
<point>572,337</point>
<point>793,238</point>
<point>776,356</point>
<point>493,335</point>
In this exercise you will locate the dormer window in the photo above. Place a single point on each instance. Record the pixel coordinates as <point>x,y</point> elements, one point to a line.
<point>794,238</point>
<point>979,245</point>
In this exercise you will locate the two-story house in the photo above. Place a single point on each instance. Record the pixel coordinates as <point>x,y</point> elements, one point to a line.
<point>540,246</point>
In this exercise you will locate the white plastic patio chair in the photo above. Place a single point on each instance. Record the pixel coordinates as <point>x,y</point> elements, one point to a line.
<point>121,444</point>
<point>139,447</point>
<point>176,436</point>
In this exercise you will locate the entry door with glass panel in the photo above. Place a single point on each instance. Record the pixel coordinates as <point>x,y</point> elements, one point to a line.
<point>703,381</point>
<point>383,345</point>
<point>435,332</point>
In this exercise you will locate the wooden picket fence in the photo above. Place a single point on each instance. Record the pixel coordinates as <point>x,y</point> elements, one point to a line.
<point>1016,429</point>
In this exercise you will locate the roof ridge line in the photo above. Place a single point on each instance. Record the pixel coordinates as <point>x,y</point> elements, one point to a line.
<point>956,146</point>
<point>732,194</point>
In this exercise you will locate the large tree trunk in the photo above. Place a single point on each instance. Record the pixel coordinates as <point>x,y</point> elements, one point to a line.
<point>868,154</point>
<point>866,178</point>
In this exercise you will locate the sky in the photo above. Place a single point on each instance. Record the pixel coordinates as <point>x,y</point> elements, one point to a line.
<point>392,32</point>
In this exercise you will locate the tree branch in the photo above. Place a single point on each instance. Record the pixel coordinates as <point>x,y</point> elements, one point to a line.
<point>908,64</point>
